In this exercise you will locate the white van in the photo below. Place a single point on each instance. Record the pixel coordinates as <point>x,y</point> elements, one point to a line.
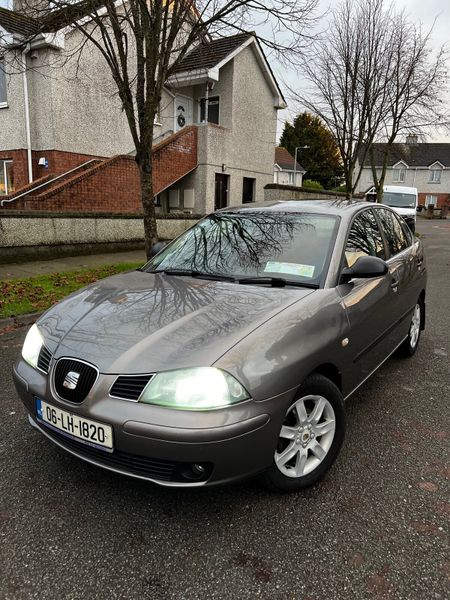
<point>404,201</point>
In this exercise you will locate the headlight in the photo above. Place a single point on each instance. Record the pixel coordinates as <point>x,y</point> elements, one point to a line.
<point>202,388</point>
<point>32,346</point>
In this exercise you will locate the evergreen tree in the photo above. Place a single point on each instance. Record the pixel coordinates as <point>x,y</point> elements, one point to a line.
<point>321,158</point>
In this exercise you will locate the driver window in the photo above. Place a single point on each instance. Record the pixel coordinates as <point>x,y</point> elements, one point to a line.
<point>364,239</point>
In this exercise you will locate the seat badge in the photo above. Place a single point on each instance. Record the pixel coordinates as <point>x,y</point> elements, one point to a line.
<point>71,380</point>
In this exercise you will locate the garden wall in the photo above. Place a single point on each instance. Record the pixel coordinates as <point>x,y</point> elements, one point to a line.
<point>32,235</point>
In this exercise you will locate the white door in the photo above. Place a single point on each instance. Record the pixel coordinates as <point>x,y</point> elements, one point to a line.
<point>183,112</point>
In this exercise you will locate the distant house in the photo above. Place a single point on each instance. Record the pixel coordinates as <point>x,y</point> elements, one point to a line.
<point>285,171</point>
<point>214,134</point>
<point>413,164</point>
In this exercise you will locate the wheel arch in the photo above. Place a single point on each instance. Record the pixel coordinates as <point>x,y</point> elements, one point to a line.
<point>331,372</point>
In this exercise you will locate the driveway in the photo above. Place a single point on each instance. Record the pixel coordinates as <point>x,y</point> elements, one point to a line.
<point>377,527</point>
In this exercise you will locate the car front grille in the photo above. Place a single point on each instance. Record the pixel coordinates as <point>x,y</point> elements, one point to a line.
<point>134,464</point>
<point>44,359</point>
<point>129,387</point>
<point>74,373</point>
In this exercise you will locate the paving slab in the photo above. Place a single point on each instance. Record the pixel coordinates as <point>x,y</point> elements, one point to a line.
<point>71,263</point>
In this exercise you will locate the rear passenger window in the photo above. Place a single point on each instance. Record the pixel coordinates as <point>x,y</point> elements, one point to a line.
<point>392,228</point>
<point>364,239</point>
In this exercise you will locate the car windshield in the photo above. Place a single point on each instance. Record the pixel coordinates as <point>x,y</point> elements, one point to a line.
<point>292,246</point>
<point>398,200</point>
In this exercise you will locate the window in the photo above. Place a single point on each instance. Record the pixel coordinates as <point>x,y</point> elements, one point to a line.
<point>213,110</point>
<point>364,239</point>
<point>435,176</point>
<point>6,177</point>
<point>248,190</point>
<point>393,231</point>
<point>430,200</point>
<point>3,96</point>
<point>399,175</point>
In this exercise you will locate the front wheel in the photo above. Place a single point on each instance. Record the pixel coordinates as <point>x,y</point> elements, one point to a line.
<point>310,437</point>
<point>409,346</point>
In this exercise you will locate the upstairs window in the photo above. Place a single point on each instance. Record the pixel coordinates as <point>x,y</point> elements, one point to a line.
<point>3,97</point>
<point>213,110</point>
<point>435,175</point>
<point>399,174</point>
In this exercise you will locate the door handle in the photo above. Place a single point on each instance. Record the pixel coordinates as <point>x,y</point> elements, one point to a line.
<point>394,284</point>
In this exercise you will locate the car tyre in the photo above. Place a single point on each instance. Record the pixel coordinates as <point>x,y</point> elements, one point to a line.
<point>410,345</point>
<point>310,437</point>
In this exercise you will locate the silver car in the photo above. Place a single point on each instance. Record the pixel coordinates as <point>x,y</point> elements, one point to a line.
<point>232,351</point>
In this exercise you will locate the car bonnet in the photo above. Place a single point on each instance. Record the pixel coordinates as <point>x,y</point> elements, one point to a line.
<point>141,322</point>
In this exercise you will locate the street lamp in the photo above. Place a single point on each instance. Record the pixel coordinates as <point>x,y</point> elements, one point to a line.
<point>295,161</point>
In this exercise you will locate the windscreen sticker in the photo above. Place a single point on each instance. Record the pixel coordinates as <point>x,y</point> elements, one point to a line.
<point>290,269</point>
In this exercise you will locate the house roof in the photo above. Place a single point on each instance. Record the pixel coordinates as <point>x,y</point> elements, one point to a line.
<point>209,56</point>
<point>286,161</point>
<point>14,22</point>
<point>210,53</point>
<point>63,17</point>
<point>414,155</point>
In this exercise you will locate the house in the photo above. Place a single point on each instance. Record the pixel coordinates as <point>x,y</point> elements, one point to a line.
<point>65,143</point>
<point>425,166</point>
<point>285,171</point>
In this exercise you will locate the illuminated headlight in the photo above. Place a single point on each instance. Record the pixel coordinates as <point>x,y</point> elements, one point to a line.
<point>32,346</point>
<point>202,388</point>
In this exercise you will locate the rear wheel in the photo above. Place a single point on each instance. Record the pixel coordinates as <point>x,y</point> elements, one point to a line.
<point>409,346</point>
<point>310,438</point>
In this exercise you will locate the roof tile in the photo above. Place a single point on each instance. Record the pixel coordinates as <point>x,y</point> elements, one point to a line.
<point>209,54</point>
<point>285,160</point>
<point>414,155</point>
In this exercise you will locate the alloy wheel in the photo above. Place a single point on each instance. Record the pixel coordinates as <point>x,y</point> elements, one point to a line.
<point>414,330</point>
<point>306,436</point>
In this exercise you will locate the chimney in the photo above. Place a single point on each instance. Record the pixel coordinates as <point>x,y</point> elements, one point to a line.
<point>412,139</point>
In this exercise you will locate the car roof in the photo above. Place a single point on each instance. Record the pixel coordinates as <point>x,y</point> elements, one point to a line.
<point>334,206</point>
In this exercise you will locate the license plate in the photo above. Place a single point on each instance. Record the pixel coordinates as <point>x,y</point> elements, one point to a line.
<point>78,428</point>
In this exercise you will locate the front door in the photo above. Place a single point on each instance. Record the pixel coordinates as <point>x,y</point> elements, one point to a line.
<point>183,112</point>
<point>221,195</point>
<point>368,302</point>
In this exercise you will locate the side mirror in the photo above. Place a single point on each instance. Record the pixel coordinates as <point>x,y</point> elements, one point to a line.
<point>365,268</point>
<point>156,248</point>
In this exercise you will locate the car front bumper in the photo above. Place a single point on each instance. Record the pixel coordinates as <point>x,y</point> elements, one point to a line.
<point>163,445</point>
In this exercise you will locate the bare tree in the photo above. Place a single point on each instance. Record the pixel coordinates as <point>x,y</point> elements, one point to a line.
<point>414,87</point>
<point>372,76</point>
<point>143,42</point>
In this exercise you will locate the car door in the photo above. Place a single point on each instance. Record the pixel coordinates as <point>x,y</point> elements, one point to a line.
<point>403,264</point>
<point>367,301</point>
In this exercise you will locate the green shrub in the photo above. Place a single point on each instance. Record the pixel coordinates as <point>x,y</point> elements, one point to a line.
<point>309,183</point>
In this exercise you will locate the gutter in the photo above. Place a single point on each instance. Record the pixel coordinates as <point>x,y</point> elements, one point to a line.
<point>27,113</point>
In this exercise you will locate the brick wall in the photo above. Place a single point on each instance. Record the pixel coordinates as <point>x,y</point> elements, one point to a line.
<point>58,161</point>
<point>442,199</point>
<point>112,185</point>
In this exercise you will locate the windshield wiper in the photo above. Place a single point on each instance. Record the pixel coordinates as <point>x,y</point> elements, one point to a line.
<point>198,274</point>
<point>277,282</point>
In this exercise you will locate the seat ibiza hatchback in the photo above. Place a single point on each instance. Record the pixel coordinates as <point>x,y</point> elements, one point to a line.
<point>232,351</point>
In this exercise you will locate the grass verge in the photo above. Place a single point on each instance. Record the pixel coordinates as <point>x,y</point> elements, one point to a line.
<point>35,294</point>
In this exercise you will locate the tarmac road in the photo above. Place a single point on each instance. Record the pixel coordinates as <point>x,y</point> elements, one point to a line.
<point>377,527</point>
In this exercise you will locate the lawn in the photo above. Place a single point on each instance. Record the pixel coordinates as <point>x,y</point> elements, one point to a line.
<point>35,294</point>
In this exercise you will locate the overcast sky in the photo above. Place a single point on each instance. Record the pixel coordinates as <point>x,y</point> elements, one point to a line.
<point>424,11</point>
